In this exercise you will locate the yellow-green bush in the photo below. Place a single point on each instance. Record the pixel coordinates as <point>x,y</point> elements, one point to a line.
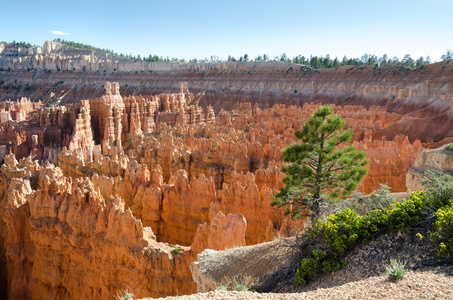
<point>344,230</point>
<point>444,230</point>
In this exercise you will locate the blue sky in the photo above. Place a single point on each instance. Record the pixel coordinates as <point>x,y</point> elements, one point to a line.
<point>201,28</point>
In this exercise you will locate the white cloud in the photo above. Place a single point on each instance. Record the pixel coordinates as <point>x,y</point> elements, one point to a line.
<point>57,32</point>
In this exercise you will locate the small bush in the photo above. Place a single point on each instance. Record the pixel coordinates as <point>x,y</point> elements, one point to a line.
<point>239,282</point>
<point>241,288</point>
<point>396,269</point>
<point>382,198</point>
<point>306,270</point>
<point>310,267</point>
<point>330,266</point>
<point>176,251</point>
<point>439,187</point>
<point>127,296</point>
<point>449,147</point>
<point>444,231</point>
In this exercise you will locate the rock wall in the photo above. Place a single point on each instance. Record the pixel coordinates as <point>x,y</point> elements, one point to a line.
<point>63,240</point>
<point>436,160</point>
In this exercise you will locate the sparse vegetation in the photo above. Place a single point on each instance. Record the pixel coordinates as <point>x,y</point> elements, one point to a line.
<point>52,101</point>
<point>127,296</point>
<point>18,44</point>
<point>241,288</point>
<point>239,283</point>
<point>175,251</point>
<point>129,138</point>
<point>449,147</point>
<point>380,199</point>
<point>342,231</point>
<point>444,230</point>
<point>396,269</point>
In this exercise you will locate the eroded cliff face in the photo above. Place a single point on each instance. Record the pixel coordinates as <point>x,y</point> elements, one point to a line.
<point>63,240</point>
<point>56,72</point>
<point>134,178</point>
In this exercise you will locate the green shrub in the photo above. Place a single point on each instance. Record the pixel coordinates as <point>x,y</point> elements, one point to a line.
<point>241,288</point>
<point>396,269</point>
<point>381,198</point>
<point>306,270</point>
<point>310,267</point>
<point>406,213</point>
<point>439,187</point>
<point>176,251</point>
<point>345,229</point>
<point>221,288</point>
<point>444,230</point>
<point>129,138</point>
<point>449,147</point>
<point>330,266</point>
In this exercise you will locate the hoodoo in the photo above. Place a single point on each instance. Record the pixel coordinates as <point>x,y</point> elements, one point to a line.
<point>115,174</point>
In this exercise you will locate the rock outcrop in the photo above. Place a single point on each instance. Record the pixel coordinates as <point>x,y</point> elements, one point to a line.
<point>259,266</point>
<point>436,160</point>
<point>17,111</point>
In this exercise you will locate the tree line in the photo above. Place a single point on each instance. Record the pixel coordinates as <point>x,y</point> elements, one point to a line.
<point>320,62</point>
<point>18,44</point>
<point>149,58</point>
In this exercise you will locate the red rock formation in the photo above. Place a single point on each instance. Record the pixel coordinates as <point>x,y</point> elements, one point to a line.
<point>171,174</point>
<point>223,232</point>
<point>389,162</point>
<point>43,130</point>
<point>82,138</point>
<point>17,111</point>
<point>108,114</point>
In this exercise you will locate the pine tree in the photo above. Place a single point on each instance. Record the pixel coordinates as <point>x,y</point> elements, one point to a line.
<point>319,172</point>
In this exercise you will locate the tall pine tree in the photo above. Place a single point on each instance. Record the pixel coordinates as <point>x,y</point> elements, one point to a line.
<point>319,172</point>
